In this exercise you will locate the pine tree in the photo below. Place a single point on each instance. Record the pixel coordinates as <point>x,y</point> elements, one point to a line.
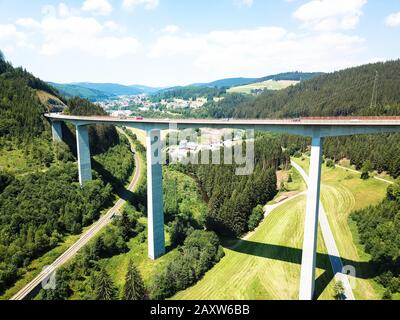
<point>126,227</point>
<point>104,286</point>
<point>134,288</point>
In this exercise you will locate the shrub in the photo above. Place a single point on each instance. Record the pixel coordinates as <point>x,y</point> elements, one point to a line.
<point>330,163</point>
<point>256,217</point>
<point>200,252</point>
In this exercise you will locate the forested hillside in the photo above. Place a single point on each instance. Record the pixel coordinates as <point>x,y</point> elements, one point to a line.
<point>21,112</point>
<point>20,108</point>
<point>41,200</point>
<point>232,198</point>
<point>343,93</point>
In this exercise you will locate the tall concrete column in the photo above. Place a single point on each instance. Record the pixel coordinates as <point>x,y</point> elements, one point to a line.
<point>308,262</point>
<point>155,210</point>
<point>84,164</point>
<point>56,129</point>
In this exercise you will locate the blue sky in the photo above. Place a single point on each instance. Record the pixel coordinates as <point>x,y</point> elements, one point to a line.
<point>175,42</point>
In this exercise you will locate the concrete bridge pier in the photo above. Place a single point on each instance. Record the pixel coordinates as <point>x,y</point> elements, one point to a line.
<point>155,210</point>
<point>84,163</point>
<point>56,129</point>
<point>308,263</point>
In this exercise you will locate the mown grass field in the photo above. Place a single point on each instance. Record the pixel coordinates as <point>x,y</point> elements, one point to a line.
<point>270,85</point>
<point>342,193</point>
<point>267,265</point>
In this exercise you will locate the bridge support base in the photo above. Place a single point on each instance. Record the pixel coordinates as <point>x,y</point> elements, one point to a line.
<point>156,241</point>
<point>308,263</point>
<point>56,129</point>
<point>84,164</point>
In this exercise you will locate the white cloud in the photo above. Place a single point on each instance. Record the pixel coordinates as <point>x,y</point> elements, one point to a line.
<point>11,38</point>
<point>61,30</point>
<point>170,29</point>
<point>28,23</point>
<point>9,31</point>
<point>257,51</point>
<point>330,15</point>
<point>63,10</point>
<point>84,34</point>
<point>100,7</point>
<point>393,20</point>
<point>114,26</point>
<point>244,3</point>
<point>148,4</point>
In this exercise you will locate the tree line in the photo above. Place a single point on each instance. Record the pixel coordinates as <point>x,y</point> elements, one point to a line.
<point>378,227</point>
<point>232,198</point>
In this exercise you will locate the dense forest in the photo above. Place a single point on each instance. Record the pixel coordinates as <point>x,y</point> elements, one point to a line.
<point>292,76</point>
<point>86,270</point>
<point>37,210</point>
<point>343,93</point>
<point>381,150</point>
<point>20,109</point>
<point>232,197</point>
<point>43,205</point>
<point>379,227</point>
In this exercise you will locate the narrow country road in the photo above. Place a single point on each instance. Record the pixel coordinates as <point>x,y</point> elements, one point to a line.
<point>333,252</point>
<point>359,172</point>
<point>85,238</point>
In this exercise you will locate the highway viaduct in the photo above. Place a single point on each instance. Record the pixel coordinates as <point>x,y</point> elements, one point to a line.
<point>316,128</point>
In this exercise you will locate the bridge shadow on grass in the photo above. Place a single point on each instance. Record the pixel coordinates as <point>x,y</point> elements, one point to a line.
<point>364,270</point>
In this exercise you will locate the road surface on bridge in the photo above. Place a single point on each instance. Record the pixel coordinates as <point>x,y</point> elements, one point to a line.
<point>86,237</point>
<point>317,121</point>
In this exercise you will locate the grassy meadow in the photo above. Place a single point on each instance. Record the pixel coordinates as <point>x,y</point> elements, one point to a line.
<point>269,85</point>
<point>267,265</point>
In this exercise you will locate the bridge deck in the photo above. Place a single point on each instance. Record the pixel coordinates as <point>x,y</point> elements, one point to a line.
<point>310,121</point>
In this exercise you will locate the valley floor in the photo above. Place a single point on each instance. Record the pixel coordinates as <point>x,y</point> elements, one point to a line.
<point>267,264</point>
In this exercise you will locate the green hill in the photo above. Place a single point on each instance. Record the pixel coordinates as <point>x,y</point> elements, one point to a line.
<point>263,85</point>
<point>71,90</point>
<point>101,91</point>
<point>110,88</point>
<point>20,108</point>
<point>343,93</point>
<point>41,200</point>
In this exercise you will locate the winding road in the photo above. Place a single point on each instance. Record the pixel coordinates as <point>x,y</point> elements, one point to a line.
<point>333,252</point>
<point>86,237</point>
